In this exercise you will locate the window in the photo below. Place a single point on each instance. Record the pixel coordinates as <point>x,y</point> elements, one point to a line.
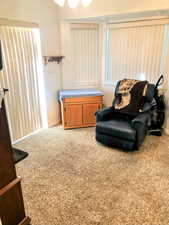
<point>85,53</point>
<point>134,51</point>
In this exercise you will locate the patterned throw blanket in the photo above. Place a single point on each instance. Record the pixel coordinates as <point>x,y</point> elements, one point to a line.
<point>130,97</point>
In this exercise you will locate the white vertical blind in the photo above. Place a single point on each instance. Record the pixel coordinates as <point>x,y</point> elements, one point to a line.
<point>134,52</point>
<point>166,73</point>
<point>20,75</point>
<point>85,54</point>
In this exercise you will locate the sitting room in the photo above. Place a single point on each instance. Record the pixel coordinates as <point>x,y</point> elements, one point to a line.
<point>84,123</point>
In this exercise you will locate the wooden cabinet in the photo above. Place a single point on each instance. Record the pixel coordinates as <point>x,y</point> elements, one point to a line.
<point>80,111</point>
<point>12,211</point>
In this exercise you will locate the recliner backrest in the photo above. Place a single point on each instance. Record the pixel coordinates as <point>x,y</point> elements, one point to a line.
<point>149,94</point>
<point>117,88</point>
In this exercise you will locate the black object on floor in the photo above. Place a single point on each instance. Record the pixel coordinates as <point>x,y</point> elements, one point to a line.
<point>19,155</point>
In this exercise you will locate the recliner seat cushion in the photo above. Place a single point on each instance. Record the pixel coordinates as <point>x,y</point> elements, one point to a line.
<point>118,128</point>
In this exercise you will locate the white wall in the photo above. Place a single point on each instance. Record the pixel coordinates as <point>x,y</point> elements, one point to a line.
<point>112,7</point>
<point>43,12</point>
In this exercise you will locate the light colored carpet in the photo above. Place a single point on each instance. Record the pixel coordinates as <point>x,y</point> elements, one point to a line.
<point>69,179</point>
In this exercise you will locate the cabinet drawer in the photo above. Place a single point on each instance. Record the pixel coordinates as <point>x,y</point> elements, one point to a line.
<point>83,100</point>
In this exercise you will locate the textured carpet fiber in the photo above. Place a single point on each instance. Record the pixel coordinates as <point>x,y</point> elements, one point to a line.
<point>69,179</point>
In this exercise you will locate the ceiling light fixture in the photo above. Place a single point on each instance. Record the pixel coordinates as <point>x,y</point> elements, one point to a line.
<point>86,3</point>
<point>73,3</point>
<point>60,2</point>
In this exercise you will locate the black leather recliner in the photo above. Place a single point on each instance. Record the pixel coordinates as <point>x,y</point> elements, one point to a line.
<point>121,131</point>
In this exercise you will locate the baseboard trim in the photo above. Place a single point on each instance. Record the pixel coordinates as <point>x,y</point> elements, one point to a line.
<point>166,131</point>
<point>22,138</point>
<point>58,122</point>
<point>37,131</point>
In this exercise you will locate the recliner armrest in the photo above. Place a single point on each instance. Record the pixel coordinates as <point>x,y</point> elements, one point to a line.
<point>140,124</point>
<point>104,114</point>
<point>147,107</point>
<point>141,119</point>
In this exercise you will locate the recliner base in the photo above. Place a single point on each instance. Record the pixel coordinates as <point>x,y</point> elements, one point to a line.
<point>110,141</point>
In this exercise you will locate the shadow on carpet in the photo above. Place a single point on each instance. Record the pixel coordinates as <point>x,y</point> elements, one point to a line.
<point>19,155</point>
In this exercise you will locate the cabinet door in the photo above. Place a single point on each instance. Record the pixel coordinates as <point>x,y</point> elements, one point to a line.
<point>73,115</point>
<point>89,113</point>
